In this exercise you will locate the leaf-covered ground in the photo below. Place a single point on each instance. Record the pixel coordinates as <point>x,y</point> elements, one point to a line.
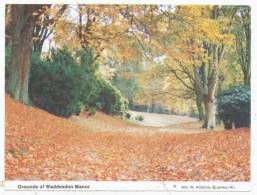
<point>40,146</point>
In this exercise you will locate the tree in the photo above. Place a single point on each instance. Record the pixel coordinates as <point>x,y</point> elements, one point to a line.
<point>100,27</point>
<point>198,36</point>
<point>23,21</point>
<point>45,25</point>
<point>243,41</point>
<point>94,26</point>
<point>7,25</point>
<point>216,51</point>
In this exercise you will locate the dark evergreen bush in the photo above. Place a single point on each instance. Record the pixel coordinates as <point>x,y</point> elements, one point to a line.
<point>65,84</point>
<point>60,83</point>
<point>128,115</point>
<point>234,107</point>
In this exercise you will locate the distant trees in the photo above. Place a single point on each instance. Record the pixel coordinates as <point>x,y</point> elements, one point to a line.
<point>125,79</point>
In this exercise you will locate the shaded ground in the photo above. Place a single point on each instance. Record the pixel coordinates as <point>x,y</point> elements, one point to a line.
<point>40,146</point>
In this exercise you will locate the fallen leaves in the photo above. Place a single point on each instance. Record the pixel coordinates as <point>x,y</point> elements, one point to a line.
<point>40,146</point>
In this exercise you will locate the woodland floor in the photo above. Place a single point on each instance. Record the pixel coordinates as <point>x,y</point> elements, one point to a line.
<point>41,146</point>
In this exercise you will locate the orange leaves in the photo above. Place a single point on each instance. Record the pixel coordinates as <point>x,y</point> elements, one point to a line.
<point>40,146</point>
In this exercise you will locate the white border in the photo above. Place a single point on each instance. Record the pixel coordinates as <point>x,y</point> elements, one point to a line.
<point>172,2</point>
<point>152,186</point>
<point>2,91</point>
<point>132,186</point>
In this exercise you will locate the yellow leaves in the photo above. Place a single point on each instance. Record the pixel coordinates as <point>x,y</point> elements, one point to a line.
<point>120,24</point>
<point>192,11</point>
<point>228,38</point>
<point>210,28</point>
<point>127,53</point>
<point>162,26</point>
<point>195,31</point>
<point>201,26</point>
<point>101,26</point>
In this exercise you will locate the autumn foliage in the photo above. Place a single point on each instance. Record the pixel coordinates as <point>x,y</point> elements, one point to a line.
<point>41,146</point>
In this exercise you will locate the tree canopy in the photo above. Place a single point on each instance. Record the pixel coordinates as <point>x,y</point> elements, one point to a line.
<point>174,57</point>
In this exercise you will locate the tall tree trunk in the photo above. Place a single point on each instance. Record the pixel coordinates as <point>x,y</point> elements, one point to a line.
<point>210,110</point>
<point>247,74</point>
<point>22,25</point>
<point>199,90</point>
<point>199,104</point>
<point>247,29</point>
<point>243,43</point>
<point>7,25</point>
<point>210,101</point>
<point>243,53</point>
<point>247,78</point>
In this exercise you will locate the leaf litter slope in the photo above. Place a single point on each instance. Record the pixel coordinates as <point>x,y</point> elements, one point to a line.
<point>40,146</point>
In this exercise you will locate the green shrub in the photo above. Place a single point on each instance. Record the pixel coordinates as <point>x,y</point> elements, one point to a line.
<point>66,84</point>
<point>128,115</point>
<point>139,117</point>
<point>234,107</point>
<point>93,108</point>
<point>110,98</point>
<point>60,85</point>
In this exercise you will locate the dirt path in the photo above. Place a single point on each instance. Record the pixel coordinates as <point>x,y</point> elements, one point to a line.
<point>152,124</point>
<point>160,120</point>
